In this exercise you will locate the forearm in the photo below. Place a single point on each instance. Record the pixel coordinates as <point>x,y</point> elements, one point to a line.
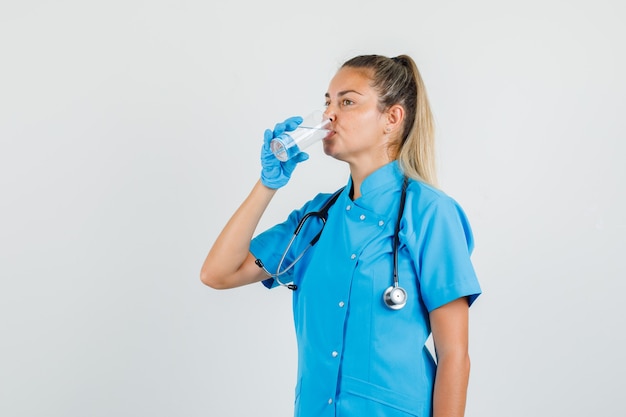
<point>222,267</point>
<point>451,383</point>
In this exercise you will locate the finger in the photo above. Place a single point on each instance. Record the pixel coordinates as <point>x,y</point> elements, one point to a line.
<point>292,122</point>
<point>267,137</point>
<point>279,129</point>
<point>290,165</point>
<point>302,156</point>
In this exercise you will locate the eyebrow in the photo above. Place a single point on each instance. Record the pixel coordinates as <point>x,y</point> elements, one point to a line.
<point>343,93</point>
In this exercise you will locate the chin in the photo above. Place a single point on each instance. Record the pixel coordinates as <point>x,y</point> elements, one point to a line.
<point>328,149</point>
<point>335,156</point>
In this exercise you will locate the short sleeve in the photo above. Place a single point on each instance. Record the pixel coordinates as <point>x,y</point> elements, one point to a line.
<point>444,243</point>
<point>269,246</point>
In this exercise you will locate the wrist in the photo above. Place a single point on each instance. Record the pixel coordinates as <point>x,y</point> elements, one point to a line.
<point>271,184</point>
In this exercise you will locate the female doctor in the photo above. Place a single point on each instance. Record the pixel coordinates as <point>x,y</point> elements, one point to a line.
<point>391,266</point>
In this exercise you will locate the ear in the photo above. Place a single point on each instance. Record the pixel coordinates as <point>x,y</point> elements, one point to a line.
<point>395,118</point>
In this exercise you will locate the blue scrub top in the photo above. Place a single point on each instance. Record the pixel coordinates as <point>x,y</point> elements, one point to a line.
<point>356,356</point>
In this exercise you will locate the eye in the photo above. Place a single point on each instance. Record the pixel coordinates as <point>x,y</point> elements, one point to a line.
<point>346,102</point>
<point>327,103</point>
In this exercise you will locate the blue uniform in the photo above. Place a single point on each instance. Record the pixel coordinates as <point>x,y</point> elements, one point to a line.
<point>357,357</point>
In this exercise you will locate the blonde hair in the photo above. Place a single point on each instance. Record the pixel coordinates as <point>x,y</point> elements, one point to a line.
<point>398,81</point>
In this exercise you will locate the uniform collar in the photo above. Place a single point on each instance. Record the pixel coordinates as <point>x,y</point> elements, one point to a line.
<point>377,189</point>
<point>387,176</point>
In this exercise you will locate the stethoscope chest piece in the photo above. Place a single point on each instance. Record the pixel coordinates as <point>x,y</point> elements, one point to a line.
<point>395,297</point>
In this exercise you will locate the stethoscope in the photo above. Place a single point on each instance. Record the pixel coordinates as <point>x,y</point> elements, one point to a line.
<point>394,297</point>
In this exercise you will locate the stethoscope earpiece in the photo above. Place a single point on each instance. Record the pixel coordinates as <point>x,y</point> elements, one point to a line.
<point>395,297</point>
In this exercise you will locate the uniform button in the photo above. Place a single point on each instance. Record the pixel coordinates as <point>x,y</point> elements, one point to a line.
<point>362,217</point>
<point>380,223</point>
<point>353,256</point>
<point>330,401</point>
<point>341,304</point>
<point>348,207</point>
<point>334,354</point>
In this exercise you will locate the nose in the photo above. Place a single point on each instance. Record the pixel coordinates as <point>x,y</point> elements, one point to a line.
<point>329,114</point>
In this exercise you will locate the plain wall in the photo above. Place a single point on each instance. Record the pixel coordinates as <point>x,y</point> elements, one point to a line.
<point>130,131</point>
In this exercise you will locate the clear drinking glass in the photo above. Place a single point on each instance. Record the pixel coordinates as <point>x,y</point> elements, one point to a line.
<point>313,128</point>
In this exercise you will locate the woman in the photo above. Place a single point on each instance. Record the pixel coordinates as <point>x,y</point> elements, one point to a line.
<point>361,349</point>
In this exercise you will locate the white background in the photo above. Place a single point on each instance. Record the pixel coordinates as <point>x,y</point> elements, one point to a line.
<point>130,131</point>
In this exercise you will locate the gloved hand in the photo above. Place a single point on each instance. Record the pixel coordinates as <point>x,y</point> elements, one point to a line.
<point>276,174</point>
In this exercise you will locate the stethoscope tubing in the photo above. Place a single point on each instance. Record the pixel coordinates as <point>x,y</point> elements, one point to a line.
<point>396,232</point>
<point>394,297</point>
<point>322,214</point>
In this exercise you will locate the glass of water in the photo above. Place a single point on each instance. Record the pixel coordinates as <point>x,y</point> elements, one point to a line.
<point>313,128</point>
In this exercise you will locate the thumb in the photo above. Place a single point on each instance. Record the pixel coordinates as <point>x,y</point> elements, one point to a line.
<point>302,156</point>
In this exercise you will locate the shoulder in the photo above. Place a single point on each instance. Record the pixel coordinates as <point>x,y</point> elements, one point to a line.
<point>322,199</point>
<point>317,203</point>
<point>431,211</point>
<point>422,196</point>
